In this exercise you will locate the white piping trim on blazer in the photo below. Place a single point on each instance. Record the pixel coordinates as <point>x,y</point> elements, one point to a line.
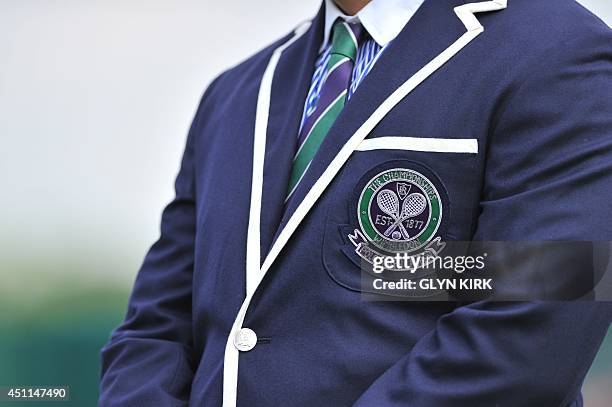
<point>254,276</point>
<point>428,145</point>
<point>253,255</point>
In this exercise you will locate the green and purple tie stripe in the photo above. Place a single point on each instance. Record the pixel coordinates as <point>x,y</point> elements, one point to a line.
<point>332,98</point>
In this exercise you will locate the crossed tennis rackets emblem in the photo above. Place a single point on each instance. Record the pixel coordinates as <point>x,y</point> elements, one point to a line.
<point>411,205</point>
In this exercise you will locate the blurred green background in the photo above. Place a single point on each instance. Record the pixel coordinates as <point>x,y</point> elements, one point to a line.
<point>95,101</point>
<point>52,332</point>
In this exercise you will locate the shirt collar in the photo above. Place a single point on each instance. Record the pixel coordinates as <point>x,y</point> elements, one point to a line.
<point>383,19</point>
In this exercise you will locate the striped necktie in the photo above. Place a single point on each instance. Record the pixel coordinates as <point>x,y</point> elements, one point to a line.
<point>333,96</point>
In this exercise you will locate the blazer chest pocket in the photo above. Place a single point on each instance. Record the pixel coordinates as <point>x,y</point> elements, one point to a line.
<point>399,194</point>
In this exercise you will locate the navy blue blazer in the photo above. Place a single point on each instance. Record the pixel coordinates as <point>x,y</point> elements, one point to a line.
<point>502,109</point>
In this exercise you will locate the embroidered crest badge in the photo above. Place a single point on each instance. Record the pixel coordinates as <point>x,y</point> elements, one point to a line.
<point>399,211</point>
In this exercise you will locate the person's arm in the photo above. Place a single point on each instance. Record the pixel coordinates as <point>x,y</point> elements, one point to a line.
<point>549,177</point>
<point>148,360</point>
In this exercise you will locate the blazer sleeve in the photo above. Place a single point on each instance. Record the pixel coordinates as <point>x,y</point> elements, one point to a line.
<point>548,177</point>
<point>148,360</point>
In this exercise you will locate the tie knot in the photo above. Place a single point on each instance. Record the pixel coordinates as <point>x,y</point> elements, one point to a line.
<point>346,38</point>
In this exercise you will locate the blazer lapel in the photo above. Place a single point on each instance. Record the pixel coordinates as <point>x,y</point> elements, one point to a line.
<point>437,32</point>
<point>289,90</point>
<point>431,30</point>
